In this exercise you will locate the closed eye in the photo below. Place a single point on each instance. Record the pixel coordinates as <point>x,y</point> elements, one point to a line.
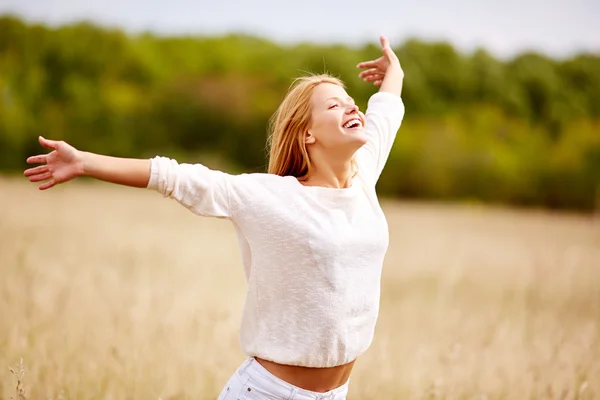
<point>333,106</point>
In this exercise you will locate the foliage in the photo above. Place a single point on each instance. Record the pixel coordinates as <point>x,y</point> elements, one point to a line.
<point>522,131</point>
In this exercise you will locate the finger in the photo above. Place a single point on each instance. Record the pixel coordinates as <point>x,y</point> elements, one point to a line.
<point>48,185</point>
<point>37,159</point>
<point>37,170</point>
<point>387,49</point>
<point>389,54</point>
<point>368,72</point>
<point>40,177</point>
<point>49,144</point>
<point>378,83</point>
<point>384,41</point>
<point>368,64</point>
<point>373,78</point>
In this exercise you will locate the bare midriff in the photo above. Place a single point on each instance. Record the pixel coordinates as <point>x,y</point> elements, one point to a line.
<point>319,380</point>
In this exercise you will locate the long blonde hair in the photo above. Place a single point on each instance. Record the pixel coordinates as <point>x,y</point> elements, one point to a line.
<point>288,154</point>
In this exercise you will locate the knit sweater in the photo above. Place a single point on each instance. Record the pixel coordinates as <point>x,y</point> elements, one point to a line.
<point>312,255</point>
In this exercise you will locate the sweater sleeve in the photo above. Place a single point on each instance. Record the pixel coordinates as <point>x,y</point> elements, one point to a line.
<point>201,190</point>
<point>384,115</point>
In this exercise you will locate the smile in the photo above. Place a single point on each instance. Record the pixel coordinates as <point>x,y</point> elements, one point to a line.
<point>353,123</point>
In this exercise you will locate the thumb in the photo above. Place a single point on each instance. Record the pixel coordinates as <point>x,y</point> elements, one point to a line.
<point>386,49</point>
<point>385,44</point>
<point>49,144</point>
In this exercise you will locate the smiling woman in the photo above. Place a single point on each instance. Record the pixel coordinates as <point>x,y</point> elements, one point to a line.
<point>311,231</point>
<point>317,106</point>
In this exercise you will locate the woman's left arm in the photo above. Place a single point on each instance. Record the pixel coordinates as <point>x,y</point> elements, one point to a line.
<point>384,114</point>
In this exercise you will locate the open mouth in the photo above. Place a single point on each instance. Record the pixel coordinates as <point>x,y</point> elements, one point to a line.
<point>353,124</point>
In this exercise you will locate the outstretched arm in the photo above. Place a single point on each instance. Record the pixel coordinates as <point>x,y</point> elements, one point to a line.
<point>385,111</point>
<point>65,163</point>
<point>385,71</point>
<point>203,191</point>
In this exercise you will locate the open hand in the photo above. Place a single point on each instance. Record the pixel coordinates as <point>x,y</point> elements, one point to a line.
<point>378,68</point>
<point>61,165</point>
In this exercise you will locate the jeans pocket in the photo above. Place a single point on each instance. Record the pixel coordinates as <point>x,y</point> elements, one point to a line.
<point>253,390</point>
<point>233,389</point>
<point>224,393</point>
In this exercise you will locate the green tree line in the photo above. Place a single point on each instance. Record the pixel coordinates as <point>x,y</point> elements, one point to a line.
<point>523,131</point>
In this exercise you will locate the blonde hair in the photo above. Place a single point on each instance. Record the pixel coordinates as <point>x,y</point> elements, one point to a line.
<point>288,154</point>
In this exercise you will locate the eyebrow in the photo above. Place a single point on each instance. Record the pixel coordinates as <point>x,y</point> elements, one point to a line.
<point>339,98</point>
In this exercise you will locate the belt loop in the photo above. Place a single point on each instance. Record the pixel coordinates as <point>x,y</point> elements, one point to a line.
<point>334,394</point>
<point>245,365</point>
<point>293,394</point>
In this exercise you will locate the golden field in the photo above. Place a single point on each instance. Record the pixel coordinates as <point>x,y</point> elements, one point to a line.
<point>116,293</point>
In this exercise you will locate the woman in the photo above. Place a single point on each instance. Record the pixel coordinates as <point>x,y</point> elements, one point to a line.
<point>311,232</point>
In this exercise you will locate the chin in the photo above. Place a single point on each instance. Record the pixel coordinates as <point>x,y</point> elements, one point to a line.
<point>351,142</point>
<point>361,139</point>
<point>355,145</point>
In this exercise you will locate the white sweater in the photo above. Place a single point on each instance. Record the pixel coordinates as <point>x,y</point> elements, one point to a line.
<point>312,255</point>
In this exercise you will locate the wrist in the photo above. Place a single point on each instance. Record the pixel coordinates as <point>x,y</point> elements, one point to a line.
<point>83,164</point>
<point>392,82</point>
<point>395,69</point>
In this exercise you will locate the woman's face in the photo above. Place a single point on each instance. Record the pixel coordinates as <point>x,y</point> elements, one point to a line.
<point>336,124</point>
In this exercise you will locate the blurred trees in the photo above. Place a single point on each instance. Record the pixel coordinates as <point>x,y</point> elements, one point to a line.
<point>524,131</point>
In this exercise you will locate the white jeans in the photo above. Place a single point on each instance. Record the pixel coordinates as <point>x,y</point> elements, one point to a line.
<point>252,381</point>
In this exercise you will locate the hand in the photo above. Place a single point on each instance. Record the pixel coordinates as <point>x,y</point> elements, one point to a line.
<point>61,165</point>
<point>378,68</point>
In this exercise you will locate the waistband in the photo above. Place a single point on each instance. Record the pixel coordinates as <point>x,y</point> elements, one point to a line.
<point>280,388</point>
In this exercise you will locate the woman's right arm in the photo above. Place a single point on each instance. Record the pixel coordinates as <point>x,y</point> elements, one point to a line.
<point>123,171</point>
<point>65,162</point>
<point>202,190</point>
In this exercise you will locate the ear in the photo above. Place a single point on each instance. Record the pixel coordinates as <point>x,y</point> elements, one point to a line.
<point>309,138</point>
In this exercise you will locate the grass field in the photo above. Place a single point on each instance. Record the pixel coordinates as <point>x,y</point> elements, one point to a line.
<point>116,293</point>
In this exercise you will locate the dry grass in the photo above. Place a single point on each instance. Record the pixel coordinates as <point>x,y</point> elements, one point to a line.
<point>19,373</point>
<point>116,293</point>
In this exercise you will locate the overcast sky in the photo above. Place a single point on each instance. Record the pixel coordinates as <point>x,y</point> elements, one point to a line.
<point>505,27</point>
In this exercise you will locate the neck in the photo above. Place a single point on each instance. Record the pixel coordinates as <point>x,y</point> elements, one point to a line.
<point>336,175</point>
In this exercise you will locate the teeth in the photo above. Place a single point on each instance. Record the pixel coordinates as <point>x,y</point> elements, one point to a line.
<point>352,122</point>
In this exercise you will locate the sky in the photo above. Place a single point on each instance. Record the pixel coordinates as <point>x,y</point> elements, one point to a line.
<point>559,28</point>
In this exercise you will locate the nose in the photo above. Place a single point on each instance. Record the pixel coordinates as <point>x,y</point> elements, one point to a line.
<point>352,109</point>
